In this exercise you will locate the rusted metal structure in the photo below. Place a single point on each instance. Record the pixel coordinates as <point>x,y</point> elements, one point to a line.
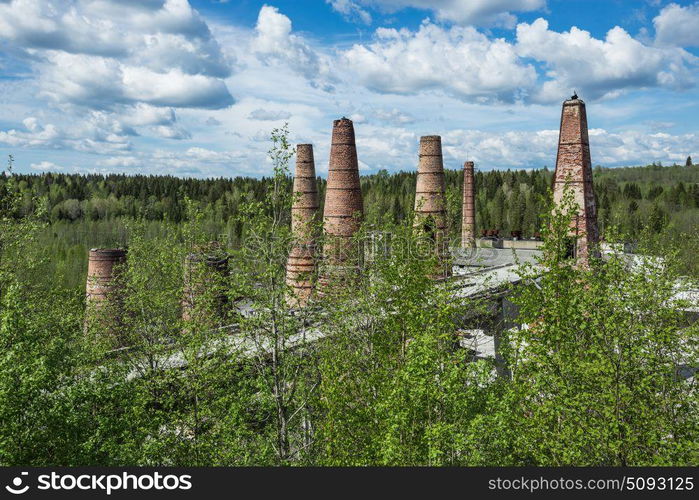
<point>103,288</point>
<point>204,298</point>
<point>430,200</point>
<point>343,211</point>
<point>468,221</point>
<point>574,172</point>
<point>301,264</point>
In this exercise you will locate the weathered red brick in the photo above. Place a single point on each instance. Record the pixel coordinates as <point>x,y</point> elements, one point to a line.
<point>343,201</point>
<point>574,169</point>
<point>468,222</point>
<point>301,264</point>
<point>430,198</point>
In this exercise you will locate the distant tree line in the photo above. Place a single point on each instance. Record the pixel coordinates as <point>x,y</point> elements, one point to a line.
<point>511,200</point>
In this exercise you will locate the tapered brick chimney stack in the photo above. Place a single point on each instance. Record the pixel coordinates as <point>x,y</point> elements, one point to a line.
<point>430,197</point>
<point>301,265</point>
<point>103,298</point>
<point>574,168</point>
<point>468,221</point>
<point>343,210</point>
<point>204,298</point>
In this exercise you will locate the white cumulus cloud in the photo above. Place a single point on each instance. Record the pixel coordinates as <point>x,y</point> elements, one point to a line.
<point>600,68</point>
<point>100,52</point>
<point>519,149</point>
<point>99,133</point>
<point>133,86</point>
<point>677,25</point>
<point>274,42</point>
<point>459,60</point>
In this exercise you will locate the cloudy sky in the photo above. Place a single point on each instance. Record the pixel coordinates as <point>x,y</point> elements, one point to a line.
<point>193,88</point>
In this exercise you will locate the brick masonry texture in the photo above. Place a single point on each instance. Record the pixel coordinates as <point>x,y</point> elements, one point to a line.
<point>468,224</point>
<point>301,264</point>
<point>104,298</point>
<point>574,168</point>
<point>343,199</point>
<point>430,197</point>
<point>102,273</point>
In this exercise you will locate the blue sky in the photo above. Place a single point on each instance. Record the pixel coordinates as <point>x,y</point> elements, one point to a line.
<point>193,88</point>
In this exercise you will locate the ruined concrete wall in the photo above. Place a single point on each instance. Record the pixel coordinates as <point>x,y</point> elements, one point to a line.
<point>301,264</point>
<point>430,199</point>
<point>521,244</point>
<point>574,169</point>
<point>468,222</point>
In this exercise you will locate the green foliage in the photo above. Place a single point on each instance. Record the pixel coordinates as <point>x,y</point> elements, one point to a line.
<point>371,374</point>
<point>38,327</point>
<point>394,390</point>
<point>277,340</point>
<point>595,377</point>
<point>90,211</point>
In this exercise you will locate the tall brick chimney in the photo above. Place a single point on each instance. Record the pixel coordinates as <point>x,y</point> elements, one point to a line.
<point>574,168</point>
<point>204,297</point>
<point>468,221</point>
<point>343,210</point>
<point>430,198</point>
<point>102,288</point>
<point>301,264</point>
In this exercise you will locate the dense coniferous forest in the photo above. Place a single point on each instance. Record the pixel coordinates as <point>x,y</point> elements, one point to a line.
<point>506,200</point>
<point>88,210</point>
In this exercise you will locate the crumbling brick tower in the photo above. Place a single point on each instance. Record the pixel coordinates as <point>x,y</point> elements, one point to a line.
<point>204,295</point>
<point>468,220</point>
<point>103,289</point>
<point>430,199</point>
<point>574,169</point>
<point>343,211</point>
<point>301,265</point>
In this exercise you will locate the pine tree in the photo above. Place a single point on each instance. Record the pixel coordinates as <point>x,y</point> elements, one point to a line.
<point>498,212</point>
<point>657,219</point>
<point>531,213</point>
